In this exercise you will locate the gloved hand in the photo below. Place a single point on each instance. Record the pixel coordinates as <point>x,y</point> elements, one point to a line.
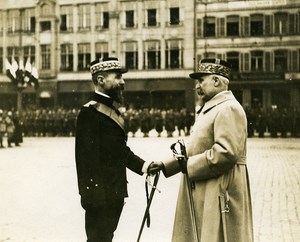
<point>155,167</point>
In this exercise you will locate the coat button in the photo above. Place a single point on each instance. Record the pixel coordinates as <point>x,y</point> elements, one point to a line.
<point>91,180</point>
<point>87,188</point>
<point>96,185</point>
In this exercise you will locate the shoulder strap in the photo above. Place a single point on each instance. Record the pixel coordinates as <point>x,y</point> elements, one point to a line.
<point>102,108</point>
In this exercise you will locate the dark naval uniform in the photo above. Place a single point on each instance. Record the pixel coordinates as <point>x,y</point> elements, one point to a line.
<point>102,156</point>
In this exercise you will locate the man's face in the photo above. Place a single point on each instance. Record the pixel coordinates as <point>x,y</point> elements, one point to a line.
<point>113,85</point>
<point>205,87</point>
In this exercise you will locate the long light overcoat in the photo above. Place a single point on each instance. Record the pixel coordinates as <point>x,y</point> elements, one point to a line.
<point>218,174</point>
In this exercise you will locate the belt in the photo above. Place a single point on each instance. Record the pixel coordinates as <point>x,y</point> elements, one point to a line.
<point>242,161</point>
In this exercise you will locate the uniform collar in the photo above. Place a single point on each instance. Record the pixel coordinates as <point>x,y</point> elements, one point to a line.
<point>105,99</point>
<point>103,94</point>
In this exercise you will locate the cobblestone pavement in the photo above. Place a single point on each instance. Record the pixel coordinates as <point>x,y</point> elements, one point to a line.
<point>40,203</point>
<point>274,167</point>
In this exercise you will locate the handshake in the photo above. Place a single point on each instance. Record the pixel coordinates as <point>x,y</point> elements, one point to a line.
<point>155,167</point>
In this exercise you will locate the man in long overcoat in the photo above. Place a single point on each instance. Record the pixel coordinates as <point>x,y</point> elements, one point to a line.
<point>102,154</point>
<point>219,205</point>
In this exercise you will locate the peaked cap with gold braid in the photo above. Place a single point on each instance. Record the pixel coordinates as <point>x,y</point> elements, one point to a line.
<point>212,66</point>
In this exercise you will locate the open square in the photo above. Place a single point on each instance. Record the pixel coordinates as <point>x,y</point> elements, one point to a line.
<point>40,201</point>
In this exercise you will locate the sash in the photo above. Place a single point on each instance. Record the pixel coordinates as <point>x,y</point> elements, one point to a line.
<point>108,111</point>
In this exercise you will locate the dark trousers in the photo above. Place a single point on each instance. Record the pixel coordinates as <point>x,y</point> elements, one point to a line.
<point>101,222</point>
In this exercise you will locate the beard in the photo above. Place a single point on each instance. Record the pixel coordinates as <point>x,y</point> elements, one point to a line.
<point>116,93</point>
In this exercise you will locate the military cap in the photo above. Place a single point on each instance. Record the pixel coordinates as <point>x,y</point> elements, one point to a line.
<point>106,64</point>
<point>212,66</point>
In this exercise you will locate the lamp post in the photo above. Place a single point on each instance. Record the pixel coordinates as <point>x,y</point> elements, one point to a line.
<point>21,77</point>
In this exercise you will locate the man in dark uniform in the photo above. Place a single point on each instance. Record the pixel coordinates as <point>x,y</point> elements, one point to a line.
<point>102,154</point>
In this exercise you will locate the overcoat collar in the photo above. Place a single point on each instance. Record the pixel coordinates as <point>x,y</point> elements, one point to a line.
<point>217,99</point>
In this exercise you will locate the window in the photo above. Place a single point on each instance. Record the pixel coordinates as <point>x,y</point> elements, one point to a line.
<point>84,17</point>
<point>151,13</point>
<point>280,60</point>
<point>131,55</point>
<point>66,18</point>
<point>63,22</point>
<point>29,20</point>
<point>13,21</point>
<point>101,50</point>
<point>105,20</point>
<point>29,54</point>
<point>32,24</point>
<point>293,23</point>
<point>174,16</point>
<point>129,15</point>
<point>152,55</point>
<point>209,26</point>
<point>257,60</point>
<point>84,56</point>
<point>66,60</point>
<point>46,57</point>
<point>12,53</point>
<point>45,26</point>
<point>173,54</point>
<point>232,25</point>
<point>102,16</point>
<point>233,59</point>
<point>256,25</point>
<point>281,23</point>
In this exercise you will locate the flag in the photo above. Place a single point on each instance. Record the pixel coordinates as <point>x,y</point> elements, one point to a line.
<point>20,74</point>
<point>10,72</point>
<point>28,69</point>
<point>14,71</point>
<point>34,78</point>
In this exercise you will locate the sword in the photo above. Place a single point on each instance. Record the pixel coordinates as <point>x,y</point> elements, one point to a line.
<point>182,158</point>
<point>149,200</point>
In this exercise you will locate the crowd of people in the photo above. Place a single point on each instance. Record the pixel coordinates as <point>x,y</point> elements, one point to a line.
<point>61,122</point>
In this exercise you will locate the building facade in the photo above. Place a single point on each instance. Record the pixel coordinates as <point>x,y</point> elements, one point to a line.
<point>261,39</point>
<point>154,39</point>
<point>159,41</point>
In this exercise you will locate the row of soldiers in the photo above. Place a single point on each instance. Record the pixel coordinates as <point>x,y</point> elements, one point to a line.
<point>58,122</point>
<point>62,122</point>
<point>274,121</point>
<point>160,120</point>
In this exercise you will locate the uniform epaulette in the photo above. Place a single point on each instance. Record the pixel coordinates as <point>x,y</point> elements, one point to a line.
<point>108,111</point>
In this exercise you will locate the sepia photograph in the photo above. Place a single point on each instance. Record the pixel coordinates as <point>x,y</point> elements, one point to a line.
<point>149,121</point>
